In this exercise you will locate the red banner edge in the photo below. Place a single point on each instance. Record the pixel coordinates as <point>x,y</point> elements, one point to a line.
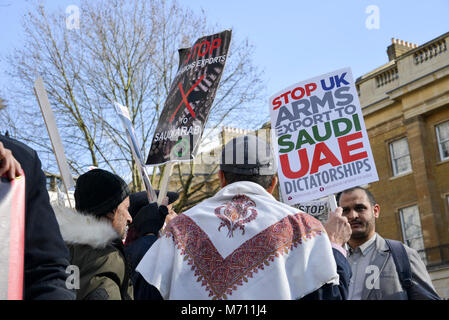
<point>17,240</point>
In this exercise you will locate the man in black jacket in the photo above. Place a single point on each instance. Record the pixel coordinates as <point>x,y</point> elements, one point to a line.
<point>46,256</point>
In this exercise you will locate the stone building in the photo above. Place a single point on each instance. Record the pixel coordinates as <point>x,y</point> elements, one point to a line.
<point>405,104</point>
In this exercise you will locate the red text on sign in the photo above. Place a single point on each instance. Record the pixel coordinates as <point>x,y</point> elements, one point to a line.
<point>320,150</point>
<point>203,48</point>
<point>295,94</point>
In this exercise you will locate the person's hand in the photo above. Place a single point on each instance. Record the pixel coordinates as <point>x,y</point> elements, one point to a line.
<point>149,219</point>
<point>171,214</point>
<point>337,227</point>
<point>9,166</point>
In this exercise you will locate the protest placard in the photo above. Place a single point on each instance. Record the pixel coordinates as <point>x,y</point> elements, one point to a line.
<point>12,233</point>
<point>318,208</point>
<point>181,124</point>
<point>123,114</point>
<point>320,138</point>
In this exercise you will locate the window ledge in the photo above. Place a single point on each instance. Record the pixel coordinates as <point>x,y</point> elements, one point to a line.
<point>442,162</point>
<point>401,175</point>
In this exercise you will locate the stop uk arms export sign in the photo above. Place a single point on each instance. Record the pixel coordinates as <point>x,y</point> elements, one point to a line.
<point>320,137</point>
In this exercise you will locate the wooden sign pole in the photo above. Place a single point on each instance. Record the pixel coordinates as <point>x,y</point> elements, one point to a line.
<point>164,182</point>
<point>56,142</point>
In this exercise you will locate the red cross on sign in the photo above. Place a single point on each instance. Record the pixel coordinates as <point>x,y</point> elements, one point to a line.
<point>184,99</point>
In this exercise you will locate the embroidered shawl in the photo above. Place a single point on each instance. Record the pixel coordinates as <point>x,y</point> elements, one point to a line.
<point>240,244</point>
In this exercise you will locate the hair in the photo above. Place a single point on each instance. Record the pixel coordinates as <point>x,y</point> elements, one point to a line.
<point>264,181</point>
<point>370,196</point>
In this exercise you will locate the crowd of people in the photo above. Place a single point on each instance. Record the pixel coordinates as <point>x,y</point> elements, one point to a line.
<point>239,244</point>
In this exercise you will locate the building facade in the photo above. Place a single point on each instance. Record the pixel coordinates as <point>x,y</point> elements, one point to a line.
<point>405,105</point>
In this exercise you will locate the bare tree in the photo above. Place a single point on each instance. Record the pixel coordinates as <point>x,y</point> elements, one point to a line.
<point>124,51</point>
<point>2,103</point>
<point>3,114</point>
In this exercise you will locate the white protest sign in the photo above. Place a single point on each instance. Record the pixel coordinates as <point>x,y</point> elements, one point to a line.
<point>320,137</point>
<point>314,208</point>
<point>318,208</point>
<point>123,113</point>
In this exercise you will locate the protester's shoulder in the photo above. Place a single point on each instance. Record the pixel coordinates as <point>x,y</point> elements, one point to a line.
<point>112,259</point>
<point>308,219</point>
<point>105,259</point>
<point>17,147</point>
<point>305,223</point>
<point>88,253</point>
<point>412,253</point>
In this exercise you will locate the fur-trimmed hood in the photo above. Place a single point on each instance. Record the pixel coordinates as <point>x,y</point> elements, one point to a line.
<point>78,228</point>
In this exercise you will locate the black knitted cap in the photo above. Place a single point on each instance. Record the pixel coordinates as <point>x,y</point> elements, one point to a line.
<point>99,192</point>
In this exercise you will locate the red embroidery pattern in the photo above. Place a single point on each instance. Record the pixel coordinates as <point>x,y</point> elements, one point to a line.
<point>235,213</point>
<point>221,277</point>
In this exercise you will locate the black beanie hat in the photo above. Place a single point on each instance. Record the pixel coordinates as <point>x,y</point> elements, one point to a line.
<point>99,192</point>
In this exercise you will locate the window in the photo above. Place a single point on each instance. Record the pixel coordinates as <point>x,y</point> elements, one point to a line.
<point>411,230</point>
<point>48,183</point>
<point>400,157</point>
<point>443,139</point>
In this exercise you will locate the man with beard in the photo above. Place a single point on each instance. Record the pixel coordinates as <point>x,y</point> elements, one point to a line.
<point>374,275</point>
<point>94,232</point>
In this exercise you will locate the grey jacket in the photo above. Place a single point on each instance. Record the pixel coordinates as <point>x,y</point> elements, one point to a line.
<point>387,285</point>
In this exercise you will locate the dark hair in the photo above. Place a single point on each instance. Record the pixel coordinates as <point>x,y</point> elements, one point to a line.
<point>264,181</point>
<point>370,196</point>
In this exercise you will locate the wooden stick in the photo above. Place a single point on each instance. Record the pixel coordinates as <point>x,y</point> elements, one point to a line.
<point>47,113</point>
<point>164,182</point>
<point>332,202</point>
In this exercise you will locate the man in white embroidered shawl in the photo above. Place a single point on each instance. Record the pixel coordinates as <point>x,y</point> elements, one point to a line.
<point>244,244</point>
